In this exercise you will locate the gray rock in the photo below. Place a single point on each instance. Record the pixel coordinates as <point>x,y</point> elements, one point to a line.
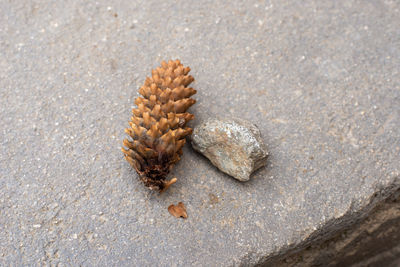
<point>234,146</point>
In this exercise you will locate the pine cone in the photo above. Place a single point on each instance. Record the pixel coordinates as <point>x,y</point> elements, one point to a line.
<point>158,125</point>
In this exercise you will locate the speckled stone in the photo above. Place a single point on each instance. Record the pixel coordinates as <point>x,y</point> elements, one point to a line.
<point>320,79</point>
<point>233,145</point>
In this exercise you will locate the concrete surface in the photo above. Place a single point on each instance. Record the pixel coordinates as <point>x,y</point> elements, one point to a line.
<point>319,78</point>
<point>372,242</point>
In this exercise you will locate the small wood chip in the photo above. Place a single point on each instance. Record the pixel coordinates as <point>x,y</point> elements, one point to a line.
<point>179,211</point>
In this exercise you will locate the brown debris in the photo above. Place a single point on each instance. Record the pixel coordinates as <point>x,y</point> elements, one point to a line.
<point>158,124</point>
<point>179,211</point>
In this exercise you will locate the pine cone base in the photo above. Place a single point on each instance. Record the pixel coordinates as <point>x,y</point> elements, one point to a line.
<point>155,177</point>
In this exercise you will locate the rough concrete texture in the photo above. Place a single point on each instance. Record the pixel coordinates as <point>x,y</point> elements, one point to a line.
<point>320,78</point>
<point>372,242</point>
<point>233,145</point>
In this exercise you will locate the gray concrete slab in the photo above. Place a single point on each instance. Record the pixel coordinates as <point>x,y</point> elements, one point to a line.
<point>319,78</point>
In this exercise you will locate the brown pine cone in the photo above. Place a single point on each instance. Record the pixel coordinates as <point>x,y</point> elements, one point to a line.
<point>158,125</point>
